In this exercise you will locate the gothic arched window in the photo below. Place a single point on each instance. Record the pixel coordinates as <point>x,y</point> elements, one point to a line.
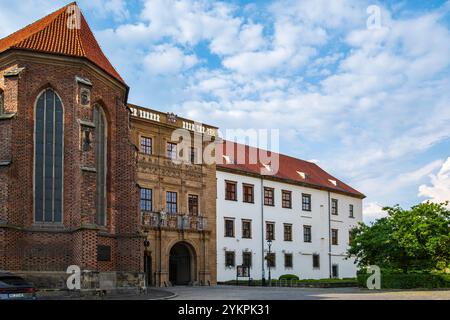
<point>100,164</point>
<point>48,158</point>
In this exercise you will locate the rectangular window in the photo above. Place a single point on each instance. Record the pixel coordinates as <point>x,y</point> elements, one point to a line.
<point>270,231</point>
<point>248,191</point>
<point>172,151</point>
<point>146,145</point>
<point>271,260</point>
<point>350,237</point>
<point>306,202</point>
<point>269,197</point>
<point>229,228</point>
<point>287,199</point>
<point>351,211</point>
<point>246,229</point>
<point>287,232</point>
<point>247,259</point>
<point>193,205</point>
<point>230,259</point>
<point>288,261</point>
<point>193,155</point>
<point>316,261</point>
<point>334,237</point>
<point>146,200</point>
<point>230,191</point>
<point>307,234</point>
<point>171,202</point>
<point>334,207</point>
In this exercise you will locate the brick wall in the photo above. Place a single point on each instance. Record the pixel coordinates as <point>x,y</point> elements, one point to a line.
<point>76,240</point>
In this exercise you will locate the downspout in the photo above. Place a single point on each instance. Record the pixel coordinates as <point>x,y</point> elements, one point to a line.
<point>262,231</point>
<point>329,235</point>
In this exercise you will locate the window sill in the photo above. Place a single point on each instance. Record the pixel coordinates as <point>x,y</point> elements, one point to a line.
<point>235,200</point>
<point>7,116</point>
<point>51,226</point>
<point>87,169</point>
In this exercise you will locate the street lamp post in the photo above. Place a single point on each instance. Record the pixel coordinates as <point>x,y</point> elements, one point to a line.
<point>269,243</point>
<point>146,266</point>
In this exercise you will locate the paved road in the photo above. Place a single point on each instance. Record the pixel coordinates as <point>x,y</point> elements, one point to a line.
<point>256,293</point>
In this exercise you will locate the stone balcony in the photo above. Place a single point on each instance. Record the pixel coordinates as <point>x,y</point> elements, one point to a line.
<point>155,220</point>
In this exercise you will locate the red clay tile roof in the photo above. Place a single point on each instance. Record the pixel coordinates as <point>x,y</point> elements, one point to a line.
<point>288,168</point>
<point>52,35</point>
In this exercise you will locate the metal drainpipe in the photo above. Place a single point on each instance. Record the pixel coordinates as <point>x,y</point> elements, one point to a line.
<point>329,234</point>
<point>262,230</point>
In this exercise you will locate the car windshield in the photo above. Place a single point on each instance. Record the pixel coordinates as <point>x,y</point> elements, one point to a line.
<point>13,281</point>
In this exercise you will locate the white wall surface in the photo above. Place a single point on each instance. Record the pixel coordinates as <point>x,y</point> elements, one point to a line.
<point>302,252</point>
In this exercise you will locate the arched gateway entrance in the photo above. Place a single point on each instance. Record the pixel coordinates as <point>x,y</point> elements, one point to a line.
<point>181,264</point>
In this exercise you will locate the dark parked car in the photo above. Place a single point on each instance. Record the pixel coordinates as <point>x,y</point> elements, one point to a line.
<point>15,288</point>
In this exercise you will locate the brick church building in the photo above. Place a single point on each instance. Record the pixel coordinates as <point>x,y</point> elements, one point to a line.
<point>87,179</point>
<point>68,192</point>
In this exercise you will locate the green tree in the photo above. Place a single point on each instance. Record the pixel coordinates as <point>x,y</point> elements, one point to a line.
<point>415,239</point>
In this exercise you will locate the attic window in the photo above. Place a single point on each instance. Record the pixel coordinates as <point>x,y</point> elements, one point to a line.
<point>228,159</point>
<point>334,182</point>
<point>302,175</point>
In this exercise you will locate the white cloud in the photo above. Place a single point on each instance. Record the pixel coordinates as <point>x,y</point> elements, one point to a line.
<point>168,60</point>
<point>439,190</point>
<point>107,8</point>
<point>372,212</point>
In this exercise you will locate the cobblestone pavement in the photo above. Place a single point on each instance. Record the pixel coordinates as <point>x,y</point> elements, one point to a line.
<point>258,293</point>
<point>152,294</point>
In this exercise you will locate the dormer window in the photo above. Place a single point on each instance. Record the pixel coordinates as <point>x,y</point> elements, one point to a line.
<point>333,182</point>
<point>228,159</point>
<point>302,175</point>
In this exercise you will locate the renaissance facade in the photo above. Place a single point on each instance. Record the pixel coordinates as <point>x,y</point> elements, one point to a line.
<point>177,198</point>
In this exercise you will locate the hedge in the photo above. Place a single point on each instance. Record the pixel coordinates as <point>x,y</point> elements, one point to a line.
<point>289,277</point>
<point>408,280</point>
<point>318,282</point>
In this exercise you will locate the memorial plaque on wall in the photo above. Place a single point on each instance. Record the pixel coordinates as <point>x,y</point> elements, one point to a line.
<point>103,253</point>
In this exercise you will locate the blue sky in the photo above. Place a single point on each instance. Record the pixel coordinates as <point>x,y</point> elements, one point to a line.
<point>370,104</point>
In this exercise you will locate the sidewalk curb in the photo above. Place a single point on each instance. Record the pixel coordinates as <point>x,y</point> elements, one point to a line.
<point>173,296</point>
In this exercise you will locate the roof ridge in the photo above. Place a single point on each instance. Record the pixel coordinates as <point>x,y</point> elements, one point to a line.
<point>78,33</point>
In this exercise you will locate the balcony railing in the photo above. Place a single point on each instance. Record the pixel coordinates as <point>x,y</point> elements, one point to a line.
<point>173,221</point>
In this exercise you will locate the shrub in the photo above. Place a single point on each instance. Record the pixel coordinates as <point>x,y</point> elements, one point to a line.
<point>408,280</point>
<point>289,277</point>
